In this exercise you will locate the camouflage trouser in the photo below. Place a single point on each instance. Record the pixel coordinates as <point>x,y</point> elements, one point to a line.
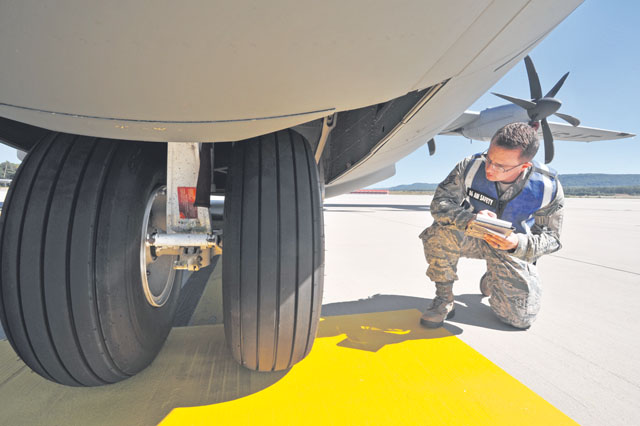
<point>514,283</point>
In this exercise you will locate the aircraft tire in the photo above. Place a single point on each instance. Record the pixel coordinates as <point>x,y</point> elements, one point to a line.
<point>273,254</point>
<point>71,300</point>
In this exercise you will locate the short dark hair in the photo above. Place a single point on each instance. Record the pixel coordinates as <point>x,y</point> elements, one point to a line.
<point>518,136</point>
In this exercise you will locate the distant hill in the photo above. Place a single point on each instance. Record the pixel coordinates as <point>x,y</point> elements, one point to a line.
<point>582,180</point>
<point>599,180</point>
<point>415,187</point>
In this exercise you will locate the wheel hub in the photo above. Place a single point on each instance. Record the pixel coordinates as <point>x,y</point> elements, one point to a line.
<point>157,273</point>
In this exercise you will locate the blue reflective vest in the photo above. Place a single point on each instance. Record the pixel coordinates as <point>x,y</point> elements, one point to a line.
<point>539,190</point>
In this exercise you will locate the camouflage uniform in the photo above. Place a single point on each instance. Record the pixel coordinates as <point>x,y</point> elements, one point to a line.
<point>511,276</point>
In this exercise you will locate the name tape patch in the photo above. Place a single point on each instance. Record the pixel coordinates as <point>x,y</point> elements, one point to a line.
<point>483,198</point>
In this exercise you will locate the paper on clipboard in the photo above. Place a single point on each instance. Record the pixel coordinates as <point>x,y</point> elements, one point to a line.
<point>483,225</point>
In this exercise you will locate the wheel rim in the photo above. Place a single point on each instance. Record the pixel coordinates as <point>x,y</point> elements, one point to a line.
<point>157,273</point>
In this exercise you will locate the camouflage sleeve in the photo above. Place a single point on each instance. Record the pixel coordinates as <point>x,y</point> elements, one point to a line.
<point>545,233</point>
<point>446,206</point>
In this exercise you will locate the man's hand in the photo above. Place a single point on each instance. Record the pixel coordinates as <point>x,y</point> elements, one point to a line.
<point>509,243</point>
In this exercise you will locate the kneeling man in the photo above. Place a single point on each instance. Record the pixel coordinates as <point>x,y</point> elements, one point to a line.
<point>505,183</point>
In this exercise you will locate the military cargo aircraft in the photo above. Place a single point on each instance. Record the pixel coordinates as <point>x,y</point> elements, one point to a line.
<point>133,114</point>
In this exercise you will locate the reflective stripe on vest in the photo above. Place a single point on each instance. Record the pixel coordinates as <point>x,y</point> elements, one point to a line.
<point>537,193</point>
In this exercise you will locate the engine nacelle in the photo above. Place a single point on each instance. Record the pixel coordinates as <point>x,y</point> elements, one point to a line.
<point>492,119</point>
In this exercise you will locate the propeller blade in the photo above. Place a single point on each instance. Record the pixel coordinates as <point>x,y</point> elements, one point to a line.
<point>534,81</point>
<point>569,119</point>
<point>522,103</point>
<point>548,141</point>
<point>557,87</point>
<point>432,146</point>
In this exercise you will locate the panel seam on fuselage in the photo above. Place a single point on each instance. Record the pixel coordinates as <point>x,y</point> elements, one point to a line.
<point>329,111</point>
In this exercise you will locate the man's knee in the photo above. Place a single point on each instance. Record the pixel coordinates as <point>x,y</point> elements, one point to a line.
<point>518,310</point>
<point>440,241</point>
<point>520,322</point>
<point>517,318</point>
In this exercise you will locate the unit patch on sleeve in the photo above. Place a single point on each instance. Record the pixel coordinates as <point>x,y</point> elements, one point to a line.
<point>483,198</point>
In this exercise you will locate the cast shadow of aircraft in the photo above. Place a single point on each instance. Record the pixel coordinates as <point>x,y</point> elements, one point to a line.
<point>195,368</point>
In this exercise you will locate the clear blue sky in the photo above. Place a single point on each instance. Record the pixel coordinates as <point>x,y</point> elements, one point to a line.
<point>600,45</point>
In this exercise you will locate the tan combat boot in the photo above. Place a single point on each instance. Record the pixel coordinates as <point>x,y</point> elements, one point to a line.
<point>442,307</point>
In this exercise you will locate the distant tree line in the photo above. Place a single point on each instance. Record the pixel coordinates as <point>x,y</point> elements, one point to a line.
<point>578,181</point>
<point>580,191</point>
<point>8,170</point>
<point>599,179</point>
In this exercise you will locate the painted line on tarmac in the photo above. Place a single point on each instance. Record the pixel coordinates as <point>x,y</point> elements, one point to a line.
<point>383,368</point>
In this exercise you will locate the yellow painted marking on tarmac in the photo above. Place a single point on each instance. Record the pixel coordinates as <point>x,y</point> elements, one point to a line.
<point>362,371</point>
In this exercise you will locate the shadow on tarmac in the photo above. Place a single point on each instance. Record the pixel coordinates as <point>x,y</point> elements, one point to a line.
<point>469,310</point>
<point>195,367</point>
<point>373,331</point>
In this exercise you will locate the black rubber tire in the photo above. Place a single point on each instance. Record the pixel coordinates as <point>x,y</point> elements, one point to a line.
<point>71,300</point>
<point>273,255</point>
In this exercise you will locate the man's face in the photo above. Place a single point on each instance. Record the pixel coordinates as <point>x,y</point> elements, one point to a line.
<point>507,159</point>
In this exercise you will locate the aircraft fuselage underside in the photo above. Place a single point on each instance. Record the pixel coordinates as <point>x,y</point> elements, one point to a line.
<point>133,119</point>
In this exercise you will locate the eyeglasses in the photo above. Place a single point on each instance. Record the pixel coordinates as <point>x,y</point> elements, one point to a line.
<point>500,168</point>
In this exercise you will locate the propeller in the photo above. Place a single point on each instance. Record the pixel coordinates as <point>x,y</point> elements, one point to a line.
<point>569,119</point>
<point>548,141</point>
<point>540,107</point>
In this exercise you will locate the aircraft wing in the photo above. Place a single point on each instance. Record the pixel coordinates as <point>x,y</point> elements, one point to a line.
<point>466,118</point>
<point>566,132</point>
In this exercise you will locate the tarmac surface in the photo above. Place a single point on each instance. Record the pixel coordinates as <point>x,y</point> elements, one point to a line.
<point>372,363</point>
<point>581,354</point>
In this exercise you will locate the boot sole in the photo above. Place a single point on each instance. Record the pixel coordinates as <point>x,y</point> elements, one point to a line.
<point>431,324</point>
